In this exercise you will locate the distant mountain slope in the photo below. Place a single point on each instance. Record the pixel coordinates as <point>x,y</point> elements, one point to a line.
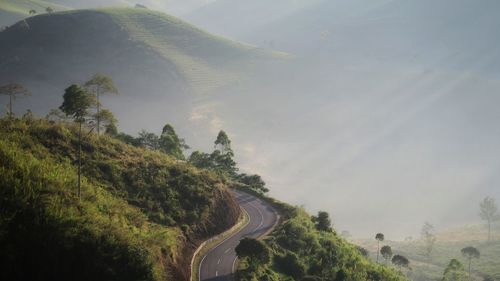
<point>151,56</point>
<point>12,11</point>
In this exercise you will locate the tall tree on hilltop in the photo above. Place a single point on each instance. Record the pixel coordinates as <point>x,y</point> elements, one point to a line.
<point>323,222</point>
<point>470,253</point>
<point>13,91</point>
<point>380,238</point>
<point>171,144</point>
<point>100,85</point>
<point>489,213</point>
<point>223,143</point>
<point>76,103</point>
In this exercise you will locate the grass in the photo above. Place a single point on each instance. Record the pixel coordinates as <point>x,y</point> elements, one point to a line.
<point>299,251</point>
<point>137,209</point>
<point>448,246</point>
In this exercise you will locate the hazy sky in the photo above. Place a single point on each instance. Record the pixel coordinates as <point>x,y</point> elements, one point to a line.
<point>389,119</point>
<point>386,114</point>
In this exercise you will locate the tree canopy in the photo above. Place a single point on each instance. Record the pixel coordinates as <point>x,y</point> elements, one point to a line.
<point>386,252</point>
<point>489,213</point>
<point>255,251</point>
<point>323,222</point>
<point>76,102</point>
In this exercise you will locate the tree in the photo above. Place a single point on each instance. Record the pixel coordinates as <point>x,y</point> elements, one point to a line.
<point>200,160</point>
<point>400,261</point>
<point>223,143</point>
<point>323,222</point>
<point>291,265</point>
<point>386,252</point>
<point>489,213</point>
<point>171,144</point>
<point>149,140</point>
<point>364,252</point>
<point>76,103</point>
<point>255,182</point>
<point>255,251</point>
<point>454,271</point>
<point>32,12</point>
<point>49,10</point>
<point>13,90</point>
<point>380,238</point>
<point>100,85</point>
<point>470,253</point>
<point>429,238</point>
<point>107,121</point>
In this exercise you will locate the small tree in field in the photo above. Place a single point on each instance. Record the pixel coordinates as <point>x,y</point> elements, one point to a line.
<point>386,252</point>
<point>429,238</point>
<point>32,12</point>
<point>470,253</point>
<point>13,91</point>
<point>400,261</point>
<point>380,238</point>
<point>489,213</point>
<point>454,271</point>
<point>76,103</point>
<point>49,10</point>
<point>255,251</point>
<point>100,85</point>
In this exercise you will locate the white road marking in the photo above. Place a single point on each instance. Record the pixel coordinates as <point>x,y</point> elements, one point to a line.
<point>203,259</point>
<point>234,263</point>
<point>218,262</point>
<point>225,252</point>
<point>216,273</point>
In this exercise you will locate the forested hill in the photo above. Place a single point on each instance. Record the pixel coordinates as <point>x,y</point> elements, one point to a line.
<point>140,217</point>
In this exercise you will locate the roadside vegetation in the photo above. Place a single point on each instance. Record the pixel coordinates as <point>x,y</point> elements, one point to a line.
<point>305,248</point>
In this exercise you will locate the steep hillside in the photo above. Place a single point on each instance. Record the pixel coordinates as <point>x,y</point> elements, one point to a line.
<point>153,57</point>
<point>140,217</point>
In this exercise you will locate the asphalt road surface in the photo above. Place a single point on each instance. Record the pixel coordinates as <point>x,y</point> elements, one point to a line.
<point>220,262</point>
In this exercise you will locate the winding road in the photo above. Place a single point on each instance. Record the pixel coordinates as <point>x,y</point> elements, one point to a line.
<point>220,262</point>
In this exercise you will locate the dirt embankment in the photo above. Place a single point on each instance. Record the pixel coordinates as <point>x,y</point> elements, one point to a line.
<point>224,213</point>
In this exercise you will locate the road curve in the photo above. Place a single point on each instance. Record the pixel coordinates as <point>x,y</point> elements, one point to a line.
<point>219,263</point>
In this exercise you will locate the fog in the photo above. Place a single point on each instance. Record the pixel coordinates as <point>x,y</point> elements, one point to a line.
<point>384,113</point>
<point>389,117</point>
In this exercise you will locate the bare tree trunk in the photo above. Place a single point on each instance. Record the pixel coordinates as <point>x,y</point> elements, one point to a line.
<point>470,261</point>
<point>79,159</point>
<point>10,106</point>
<point>489,230</point>
<point>378,249</point>
<point>98,112</point>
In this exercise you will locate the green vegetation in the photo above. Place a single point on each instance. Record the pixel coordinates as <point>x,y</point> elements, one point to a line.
<point>448,246</point>
<point>137,207</point>
<point>300,251</point>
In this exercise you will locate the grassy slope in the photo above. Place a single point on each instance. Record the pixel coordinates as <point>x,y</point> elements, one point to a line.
<point>144,51</point>
<point>448,246</point>
<point>12,11</point>
<point>139,218</point>
<point>206,60</point>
